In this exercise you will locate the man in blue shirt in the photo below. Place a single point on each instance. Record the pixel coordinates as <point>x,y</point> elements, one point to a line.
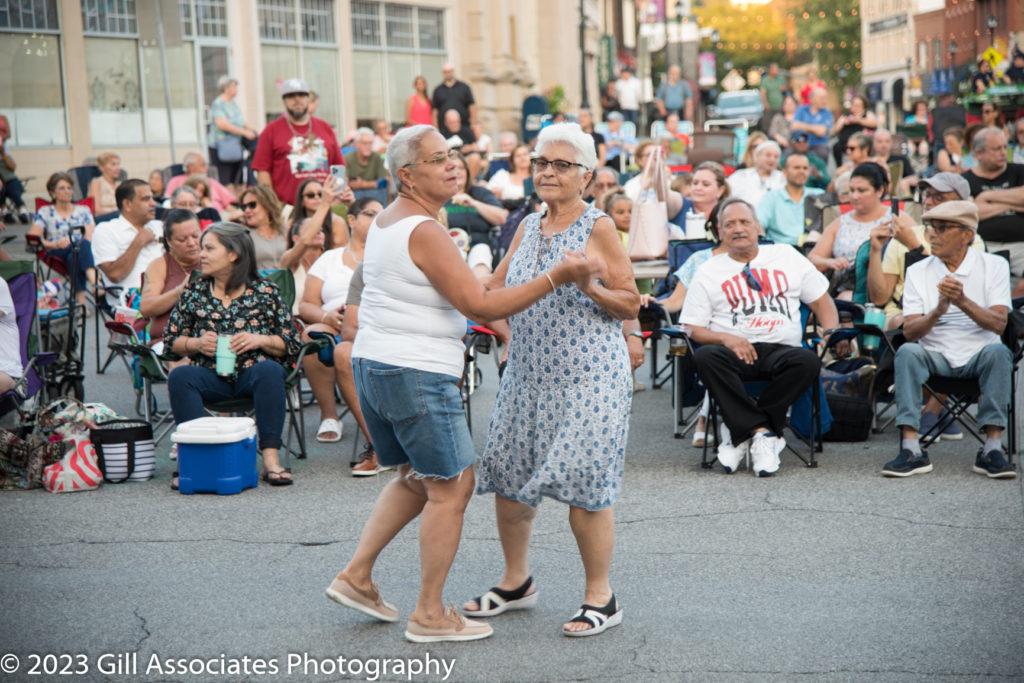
<point>781,211</point>
<point>816,120</point>
<point>674,96</point>
<point>619,145</point>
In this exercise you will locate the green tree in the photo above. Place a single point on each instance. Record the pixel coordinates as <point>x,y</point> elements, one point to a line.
<point>749,35</point>
<point>828,31</point>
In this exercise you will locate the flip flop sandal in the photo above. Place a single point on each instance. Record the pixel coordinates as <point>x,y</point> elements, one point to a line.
<point>498,600</point>
<point>600,619</point>
<point>278,480</point>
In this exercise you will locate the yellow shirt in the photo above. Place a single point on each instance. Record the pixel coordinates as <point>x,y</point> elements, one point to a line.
<point>892,264</point>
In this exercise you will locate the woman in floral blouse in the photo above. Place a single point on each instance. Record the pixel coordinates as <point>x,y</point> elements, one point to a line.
<point>230,299</point>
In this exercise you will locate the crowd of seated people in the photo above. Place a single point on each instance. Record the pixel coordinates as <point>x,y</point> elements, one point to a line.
<point>321,235</point>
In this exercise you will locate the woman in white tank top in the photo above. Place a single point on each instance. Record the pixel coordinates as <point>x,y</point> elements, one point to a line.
<point>408,360</point>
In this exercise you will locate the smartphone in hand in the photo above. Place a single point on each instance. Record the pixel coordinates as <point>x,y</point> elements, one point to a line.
<point>339,175</point>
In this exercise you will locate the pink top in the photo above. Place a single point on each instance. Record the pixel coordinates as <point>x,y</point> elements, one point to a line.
<point>420,111</point>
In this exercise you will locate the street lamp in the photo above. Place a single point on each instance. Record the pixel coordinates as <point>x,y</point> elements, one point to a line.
<point>992,23</point>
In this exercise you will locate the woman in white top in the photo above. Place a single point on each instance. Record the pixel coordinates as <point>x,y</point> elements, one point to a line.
<point>408,359</point>
<point>508,185</point>
<point>751,184</point>
<point>10,341</point>
<point>323,308</point>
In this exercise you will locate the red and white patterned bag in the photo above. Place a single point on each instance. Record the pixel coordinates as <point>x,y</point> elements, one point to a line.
<point>78,470</point>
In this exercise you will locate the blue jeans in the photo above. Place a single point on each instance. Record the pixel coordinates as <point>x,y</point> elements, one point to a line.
<point>991,366</point>
<point>415,418</point>
<point>85,261</point>
<point>190,386</point>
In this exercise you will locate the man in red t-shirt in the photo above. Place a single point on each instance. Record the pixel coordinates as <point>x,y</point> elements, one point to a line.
<point>295,146</point>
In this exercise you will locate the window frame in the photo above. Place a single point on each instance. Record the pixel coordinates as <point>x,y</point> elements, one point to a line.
<point>417,51</point>
<point>62,70</point>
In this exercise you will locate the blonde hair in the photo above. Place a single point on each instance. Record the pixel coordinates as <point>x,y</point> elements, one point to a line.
<point>106,157</point>
<point>755,139</point>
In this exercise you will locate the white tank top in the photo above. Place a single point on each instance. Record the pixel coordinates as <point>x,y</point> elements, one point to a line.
<point>403,320</point>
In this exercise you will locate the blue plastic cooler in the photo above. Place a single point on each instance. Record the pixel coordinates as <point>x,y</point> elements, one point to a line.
<point>216,455</point>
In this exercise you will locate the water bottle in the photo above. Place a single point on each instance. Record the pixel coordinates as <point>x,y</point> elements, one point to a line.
<point>695,225</point>
<point>873,316</point>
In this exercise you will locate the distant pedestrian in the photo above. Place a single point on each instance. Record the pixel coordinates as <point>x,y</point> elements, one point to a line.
<point>452,93</point>
<point>628,90</point>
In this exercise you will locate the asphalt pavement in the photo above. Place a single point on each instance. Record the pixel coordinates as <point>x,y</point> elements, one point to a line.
<point>831,574</point>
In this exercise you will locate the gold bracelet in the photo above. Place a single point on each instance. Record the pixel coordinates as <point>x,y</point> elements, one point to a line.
<point>548,276</point>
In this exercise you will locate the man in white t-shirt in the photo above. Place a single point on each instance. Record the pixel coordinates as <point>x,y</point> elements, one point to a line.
<point>124,247</point>
<point>955,307</point>
<point>743,308</point>
<point>629,88</point>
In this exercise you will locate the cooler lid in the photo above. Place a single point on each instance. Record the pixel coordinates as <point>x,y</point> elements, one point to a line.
<point>215,430</point>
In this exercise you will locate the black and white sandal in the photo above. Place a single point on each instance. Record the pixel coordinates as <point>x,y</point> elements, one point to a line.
<point>600,619</point>
<point>498,600</point>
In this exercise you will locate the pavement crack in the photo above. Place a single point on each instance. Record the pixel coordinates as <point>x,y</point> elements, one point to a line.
<point>175,541</point>
<point>776,508</point>
<point>145,629</point>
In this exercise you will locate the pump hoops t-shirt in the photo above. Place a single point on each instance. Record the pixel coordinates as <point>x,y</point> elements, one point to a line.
<point>721,300</point>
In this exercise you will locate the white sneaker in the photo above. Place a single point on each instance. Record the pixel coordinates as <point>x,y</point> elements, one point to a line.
<point>764,451</point>
<point>728,455</point>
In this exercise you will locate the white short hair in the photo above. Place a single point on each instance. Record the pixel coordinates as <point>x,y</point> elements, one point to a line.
<point>570,134</point>
<point>405,147</point>
<point>191,158</point>
<point>363,131</point>
<point>765,146</point>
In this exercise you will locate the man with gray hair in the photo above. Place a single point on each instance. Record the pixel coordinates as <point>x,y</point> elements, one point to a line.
<point>955,307</point>
<point>998,189</point>
<point>743,308</point>
<point>194,163</point>
<point>365,168</point>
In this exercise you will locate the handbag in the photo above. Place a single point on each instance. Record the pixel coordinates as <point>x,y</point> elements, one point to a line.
<point>78,470</point>
<point>22,461</point>
<point>229,149</point>
<point>648,226</point>
<point>125,450</point>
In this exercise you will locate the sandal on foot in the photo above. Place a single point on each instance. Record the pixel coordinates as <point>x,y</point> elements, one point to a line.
<point>699,439</point>
<point>174,480</point>
<point>498,600</point>
<point>329,426</point>
<point>277,480</point>
<point>600,619</point>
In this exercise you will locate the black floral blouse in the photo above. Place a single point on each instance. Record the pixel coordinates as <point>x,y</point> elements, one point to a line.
<point>260,310</point>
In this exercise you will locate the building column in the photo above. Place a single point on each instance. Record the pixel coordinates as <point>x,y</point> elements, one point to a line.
<point>76,83</point>
<point>246,66</point>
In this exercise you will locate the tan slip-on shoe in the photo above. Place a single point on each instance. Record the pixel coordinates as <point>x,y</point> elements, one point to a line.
<point>456,628</point>
<point>369,602</point>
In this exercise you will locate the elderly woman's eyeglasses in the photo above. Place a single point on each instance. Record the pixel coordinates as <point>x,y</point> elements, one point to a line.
<point>437,159</point>
<point>540,164</point>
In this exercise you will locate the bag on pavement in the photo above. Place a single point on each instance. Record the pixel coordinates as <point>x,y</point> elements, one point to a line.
<point>78,470</point>
<point>22,461</point>
<point>125,450</point>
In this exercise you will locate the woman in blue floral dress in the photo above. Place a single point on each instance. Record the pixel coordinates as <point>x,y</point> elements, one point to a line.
<point>562,413</point>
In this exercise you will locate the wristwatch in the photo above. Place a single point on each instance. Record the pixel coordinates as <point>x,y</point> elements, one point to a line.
<point>637,333</point>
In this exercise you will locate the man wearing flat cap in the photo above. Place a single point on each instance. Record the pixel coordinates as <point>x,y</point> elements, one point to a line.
<point>295,145</point>
<point>955,307</point>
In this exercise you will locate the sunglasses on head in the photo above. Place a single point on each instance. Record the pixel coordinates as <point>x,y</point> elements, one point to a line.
<point>249,206</point>
<point>749,277</point>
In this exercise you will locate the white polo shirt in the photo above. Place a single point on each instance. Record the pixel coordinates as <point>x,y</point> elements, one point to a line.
<point>986,281</point>
<point>112,239</point>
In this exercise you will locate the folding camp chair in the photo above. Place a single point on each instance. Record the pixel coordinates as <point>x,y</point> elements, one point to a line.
<point>21,280</point>
<point>960,394</point>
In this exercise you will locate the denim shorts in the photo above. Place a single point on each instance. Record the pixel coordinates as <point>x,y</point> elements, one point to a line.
<point>415,418</point>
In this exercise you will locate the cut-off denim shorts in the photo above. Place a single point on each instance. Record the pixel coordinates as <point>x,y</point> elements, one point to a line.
<point>415,417</point>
